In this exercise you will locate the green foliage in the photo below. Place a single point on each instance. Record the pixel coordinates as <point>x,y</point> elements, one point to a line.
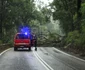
<point>65,11</point>
<point>16,13</point>
<point>52,39</point>
<point>83,13</point>
<point>0,42</point>
<point>83,8</point>
<point>75,17</point>
<point>74,38</point>
<point>83,23</point>
<point>47,13</point>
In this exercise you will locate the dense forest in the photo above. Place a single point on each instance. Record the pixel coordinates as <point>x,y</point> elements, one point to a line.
<point>70,14</point>
<point>14,14</point>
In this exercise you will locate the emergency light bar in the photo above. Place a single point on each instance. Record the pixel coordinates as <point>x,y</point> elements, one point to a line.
<point>26,30</point>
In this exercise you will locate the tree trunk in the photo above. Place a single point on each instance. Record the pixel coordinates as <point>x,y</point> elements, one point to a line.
<point>1,18</point>
<point>78,15</point>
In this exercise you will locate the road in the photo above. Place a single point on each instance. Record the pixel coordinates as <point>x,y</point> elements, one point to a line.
<point>46,58</point>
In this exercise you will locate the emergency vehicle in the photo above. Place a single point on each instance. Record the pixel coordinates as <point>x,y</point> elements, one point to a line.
<point>22,40</point>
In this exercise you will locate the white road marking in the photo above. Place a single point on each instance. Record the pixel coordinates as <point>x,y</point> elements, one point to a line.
<point>4,51</point>
<point>68,54</point>
<point>43,62</point>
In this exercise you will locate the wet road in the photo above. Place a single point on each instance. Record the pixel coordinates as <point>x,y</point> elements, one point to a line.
<point>44,59</point>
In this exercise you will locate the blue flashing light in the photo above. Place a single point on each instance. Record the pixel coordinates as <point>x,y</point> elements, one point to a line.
<point>26,30</point>
<point>25,33</point>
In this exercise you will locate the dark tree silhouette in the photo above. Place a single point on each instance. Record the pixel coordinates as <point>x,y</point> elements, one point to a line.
<point>1,17</point>
<point>79,15</point>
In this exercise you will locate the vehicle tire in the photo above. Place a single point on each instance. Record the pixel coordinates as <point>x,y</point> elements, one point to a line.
<point>35,49</point>
<point>15,49</point>
<point>29,48</point>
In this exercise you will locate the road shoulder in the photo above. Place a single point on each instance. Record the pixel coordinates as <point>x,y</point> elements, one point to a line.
<point>70,53</point>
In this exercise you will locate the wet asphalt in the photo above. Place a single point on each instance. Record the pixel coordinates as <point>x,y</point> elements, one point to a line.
<point>27,60</point>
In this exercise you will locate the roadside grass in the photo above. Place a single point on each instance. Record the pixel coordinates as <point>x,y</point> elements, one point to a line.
<point>4,47</point>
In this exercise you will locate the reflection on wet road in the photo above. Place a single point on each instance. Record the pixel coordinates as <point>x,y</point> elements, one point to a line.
<point>46,58</point>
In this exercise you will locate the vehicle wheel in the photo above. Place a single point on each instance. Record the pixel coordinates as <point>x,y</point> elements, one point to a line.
<point>29,48</point>
<point>35,49</point>
<point>15,49</point>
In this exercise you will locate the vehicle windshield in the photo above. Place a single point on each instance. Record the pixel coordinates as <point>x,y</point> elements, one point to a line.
<point>22,36</point>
